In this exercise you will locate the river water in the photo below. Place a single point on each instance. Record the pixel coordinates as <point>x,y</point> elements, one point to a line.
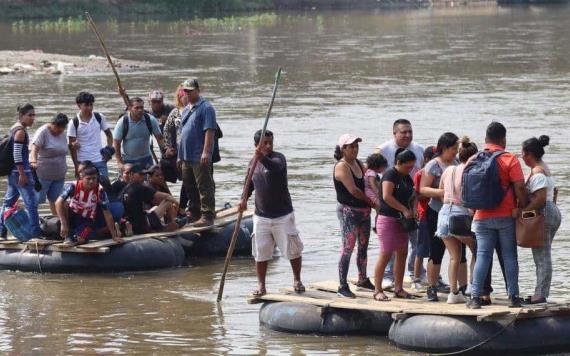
<point>444,69</point>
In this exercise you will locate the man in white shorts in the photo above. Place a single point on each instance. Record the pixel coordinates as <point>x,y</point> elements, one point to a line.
<point>274,220</point>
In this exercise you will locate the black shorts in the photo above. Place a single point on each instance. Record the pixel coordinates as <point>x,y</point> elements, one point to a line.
<point>154,221</point>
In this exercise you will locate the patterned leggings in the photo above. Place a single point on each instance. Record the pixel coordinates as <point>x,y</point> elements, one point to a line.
<point>355,226</point>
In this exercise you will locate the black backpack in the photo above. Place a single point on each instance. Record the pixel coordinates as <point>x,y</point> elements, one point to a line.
<point>7,153</point>
<point>76,121</point>
<point>126,125</point>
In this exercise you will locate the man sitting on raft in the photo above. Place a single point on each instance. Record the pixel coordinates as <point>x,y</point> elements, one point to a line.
<point>136,194</point>
<point>77,209</point>
<point>274,220</point>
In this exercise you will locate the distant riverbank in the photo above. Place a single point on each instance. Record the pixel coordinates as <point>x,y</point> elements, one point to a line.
<point>14,10</point>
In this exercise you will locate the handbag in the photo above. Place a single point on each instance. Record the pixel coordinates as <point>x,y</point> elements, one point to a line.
<point>530,229</point>
<point>409,225</point>
<point>460,224</point>
<point>17,222</point>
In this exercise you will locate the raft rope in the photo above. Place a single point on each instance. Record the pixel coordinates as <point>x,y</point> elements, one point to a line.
<point>505,327</point>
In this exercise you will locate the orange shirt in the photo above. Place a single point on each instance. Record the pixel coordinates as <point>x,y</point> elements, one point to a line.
<point>510,171</point>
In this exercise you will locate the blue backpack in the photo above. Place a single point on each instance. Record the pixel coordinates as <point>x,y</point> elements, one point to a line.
<point>480,184</point>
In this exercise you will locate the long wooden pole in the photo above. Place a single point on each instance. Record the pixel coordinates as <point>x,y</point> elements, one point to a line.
<point>122,90</point>
<point>119,84</point>
<point>245,192</point>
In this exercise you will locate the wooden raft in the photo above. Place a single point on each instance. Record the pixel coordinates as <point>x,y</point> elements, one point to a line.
<point>323,294</point>
<point>223,218</point>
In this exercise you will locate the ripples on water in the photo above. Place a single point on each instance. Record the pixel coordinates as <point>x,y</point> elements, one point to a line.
<point>444,69</point>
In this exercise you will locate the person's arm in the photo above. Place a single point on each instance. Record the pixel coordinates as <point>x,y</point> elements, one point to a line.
<point>109,136</point>
<point>34,156</point>
<point>159,197</point>
<point>61,211</point>
<point>425,187</point>
<point>73,147</point>
<point>388,197</point>
<point>111,225</point>
<point>118,157</point>
<point>343,174</point>
<point>208,146</point>
<point>19,139</point>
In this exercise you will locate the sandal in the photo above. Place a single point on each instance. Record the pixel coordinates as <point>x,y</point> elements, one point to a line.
<point>540,300</point>
<point>258,293</point>
<point>380,297</point>
<point>402,294</point>
<point>298,287</point>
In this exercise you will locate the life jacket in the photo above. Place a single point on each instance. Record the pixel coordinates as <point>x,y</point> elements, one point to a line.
<point>84,203</point>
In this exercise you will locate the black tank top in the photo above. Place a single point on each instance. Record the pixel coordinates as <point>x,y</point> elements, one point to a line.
<point>343,196</point>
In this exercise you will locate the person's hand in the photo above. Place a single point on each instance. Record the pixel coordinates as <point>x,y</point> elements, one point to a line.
<point>120,165</point>
<point>205,159</point>
<point>64,231</point>
<point>170,152</point>
<point>23,180</point>
<point>34,165</point>
<point>258,154</point>
<point>516,212</point>
<point>242,206</point>
<point>179,164</point>
<point>408,214</point>
<point>118,240</point>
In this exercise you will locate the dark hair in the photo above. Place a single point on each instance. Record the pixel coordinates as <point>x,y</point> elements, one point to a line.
<point>466,149</point>
<point>25,109</point>
<point>429,153</point>
<point>89,171</point>
<point>257,136</point>
<point>400,122</point>
<point>496,132</point>
<point>376,161</point>
<point>337,153</point>
<point>403,155</point>
<point>448,139</point>
<point>84,98</point>
<point>136,99</point>
<point>60,120</point>
<point>535,146</point>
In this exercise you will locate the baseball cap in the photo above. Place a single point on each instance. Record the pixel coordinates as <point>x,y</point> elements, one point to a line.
<point>153,169</point>
<point>348,139</point>
<point>156,95</point>
<point>190,84</point>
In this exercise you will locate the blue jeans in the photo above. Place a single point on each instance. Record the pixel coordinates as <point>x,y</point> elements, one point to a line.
<point>51,189</point>
<point>28,194</point>
<point>145,161</point>
<point>102,168</point>
<point>487,232</point>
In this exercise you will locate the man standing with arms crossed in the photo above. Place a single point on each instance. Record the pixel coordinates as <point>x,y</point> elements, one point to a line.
<point>195,154</point>
<point>274,220</point>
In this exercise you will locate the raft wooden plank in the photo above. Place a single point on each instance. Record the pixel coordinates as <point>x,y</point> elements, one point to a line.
<point>9,242</point>
<point>41,242</point>
<point>226,212</point>
<point>76,249</point>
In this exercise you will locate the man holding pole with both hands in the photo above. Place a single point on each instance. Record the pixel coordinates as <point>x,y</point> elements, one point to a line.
<point>274,220</point>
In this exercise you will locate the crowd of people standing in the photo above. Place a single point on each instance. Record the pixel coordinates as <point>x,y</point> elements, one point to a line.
<point>425,204</point>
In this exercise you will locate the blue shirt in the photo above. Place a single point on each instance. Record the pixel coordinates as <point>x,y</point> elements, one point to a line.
<point>137,143</point>
<point>195,122</point>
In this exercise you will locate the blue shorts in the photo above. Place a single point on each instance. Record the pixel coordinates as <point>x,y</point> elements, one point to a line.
<point>424,239</point>
<point>51,189</point>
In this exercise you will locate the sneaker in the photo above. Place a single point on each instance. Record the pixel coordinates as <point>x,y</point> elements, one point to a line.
<point>516,302</point>
<point>474,303</point>
<point>387,284</point>
<point>181,221</point>
<point>458,298</point>
<point>432,294</point>
<point>442,287</point>
<point>466,290</point>
<point>204,221</point>
<point>345,292</point>
<point>128,229</point>
<point>366,284</point>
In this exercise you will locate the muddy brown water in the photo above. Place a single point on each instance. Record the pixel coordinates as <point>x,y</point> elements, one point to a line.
<point>444,69</point>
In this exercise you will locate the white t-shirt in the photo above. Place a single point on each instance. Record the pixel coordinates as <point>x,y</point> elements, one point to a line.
<point>388,150</point>
<point>88,136</point>
<point>540,181</point>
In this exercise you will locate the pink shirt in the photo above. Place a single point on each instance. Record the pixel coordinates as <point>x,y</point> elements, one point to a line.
<point>452,190</point>
<point>368,189</point>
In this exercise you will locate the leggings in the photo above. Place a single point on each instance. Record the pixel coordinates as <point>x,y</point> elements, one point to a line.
<point>437,247</point>
<point>355,227</point>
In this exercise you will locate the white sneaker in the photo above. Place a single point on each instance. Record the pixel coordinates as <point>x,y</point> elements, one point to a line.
<point>387,284</point>
<point>468,290</point>
<point>458,298</point>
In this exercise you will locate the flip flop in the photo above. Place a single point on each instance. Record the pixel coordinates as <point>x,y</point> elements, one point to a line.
<point>382,298</point>
<point>258,293</point>
<point>298,287</point>
<point>405,295</point>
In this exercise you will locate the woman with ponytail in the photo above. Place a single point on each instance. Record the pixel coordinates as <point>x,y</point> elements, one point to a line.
<point>542,198</point>
<point>20,180</point>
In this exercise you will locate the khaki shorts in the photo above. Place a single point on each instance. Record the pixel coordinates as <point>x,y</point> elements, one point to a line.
<point>270,232</point>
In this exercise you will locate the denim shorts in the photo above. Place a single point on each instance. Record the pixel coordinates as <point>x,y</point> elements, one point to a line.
<point>443,219</point>
<point>51,189</point>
